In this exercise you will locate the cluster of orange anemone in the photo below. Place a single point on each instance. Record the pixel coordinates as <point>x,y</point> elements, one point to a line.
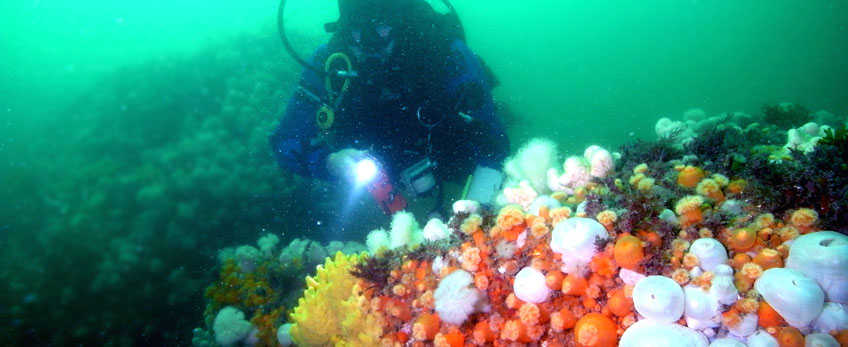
<point>591,307</point>
<point>595,307</point>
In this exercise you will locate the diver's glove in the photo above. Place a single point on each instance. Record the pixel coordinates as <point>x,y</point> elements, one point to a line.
<point>341,164</point>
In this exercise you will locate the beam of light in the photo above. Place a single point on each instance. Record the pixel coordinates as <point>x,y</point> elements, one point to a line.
<point>365,170</point>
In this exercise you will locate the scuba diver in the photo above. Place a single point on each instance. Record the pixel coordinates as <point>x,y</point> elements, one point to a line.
<point>394,99</point>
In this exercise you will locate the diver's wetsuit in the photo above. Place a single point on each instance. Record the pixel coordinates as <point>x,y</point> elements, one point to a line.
<point>378,114</point>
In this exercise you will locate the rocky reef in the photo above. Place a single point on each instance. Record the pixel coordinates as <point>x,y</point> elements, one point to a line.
<point>662,242</point>
<point>114,210</point>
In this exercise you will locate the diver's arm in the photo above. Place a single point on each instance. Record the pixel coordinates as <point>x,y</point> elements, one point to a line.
<point>294,142</point>
<point>471,90</point>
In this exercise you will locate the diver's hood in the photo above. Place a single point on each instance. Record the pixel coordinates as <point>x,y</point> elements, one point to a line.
<point>361,12</point>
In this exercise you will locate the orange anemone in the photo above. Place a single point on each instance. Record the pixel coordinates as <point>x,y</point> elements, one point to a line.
<point>574,285</point>
<point>483,333</point>
<point>742,239</point>
<point>595,330</point>
<point>790,337</point>
<point>554,279</point>
<point>768,258</point>
<point>426,327</point>
<point>628,252</point>
<point>768,317</point>
<point>619,304</point>
<point>689,176</point>
<point>451,339</point>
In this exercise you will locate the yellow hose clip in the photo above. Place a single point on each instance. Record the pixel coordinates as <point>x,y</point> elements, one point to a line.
<point>326,115</point>
<point>328,83</point>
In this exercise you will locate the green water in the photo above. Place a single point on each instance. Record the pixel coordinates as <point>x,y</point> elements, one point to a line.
<point>133,137</point>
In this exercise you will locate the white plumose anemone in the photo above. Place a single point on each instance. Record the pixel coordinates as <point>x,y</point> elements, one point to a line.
<point>797,298</point>
<point>658,298</point>
<point>435,230</point>
<point>834,317</point>
<point>823,256</point>
<point>574,239</point>
<point>456,297</point>
<point>747,326</point>
<point>820,340</point>
<point>722,288</point>
<point>710,252</point>
<point>761,338</point>
<point>699,307</point>
<point>652,333</point>
<point>529,286</point>
<point>727,342</point>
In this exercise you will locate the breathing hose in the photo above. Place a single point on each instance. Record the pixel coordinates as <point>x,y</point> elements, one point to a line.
<point>282,30</point>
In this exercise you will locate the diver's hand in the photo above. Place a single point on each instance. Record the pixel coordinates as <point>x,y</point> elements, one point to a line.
<point>341,163</point>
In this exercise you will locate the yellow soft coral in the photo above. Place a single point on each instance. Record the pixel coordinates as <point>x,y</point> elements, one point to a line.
<point>331,310</point>
<point>361,326</point>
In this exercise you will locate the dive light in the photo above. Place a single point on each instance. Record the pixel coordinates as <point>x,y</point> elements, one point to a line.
<point>367,173</point>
